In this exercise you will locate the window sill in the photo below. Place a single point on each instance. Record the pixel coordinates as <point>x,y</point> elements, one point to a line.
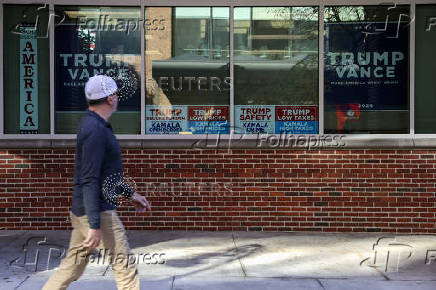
<point>234,141</point>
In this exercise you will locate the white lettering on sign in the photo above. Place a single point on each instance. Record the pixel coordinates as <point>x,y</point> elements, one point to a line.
<point>365,64</point>
<point>255,114</point>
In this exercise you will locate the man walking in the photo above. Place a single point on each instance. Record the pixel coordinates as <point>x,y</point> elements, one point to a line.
<point>93,215</point>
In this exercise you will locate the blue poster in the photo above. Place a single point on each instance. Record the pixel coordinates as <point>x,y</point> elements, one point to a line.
<point>166,119</point>
<point>366,66</point>
<point>254,119</point>
<point>82,53</point>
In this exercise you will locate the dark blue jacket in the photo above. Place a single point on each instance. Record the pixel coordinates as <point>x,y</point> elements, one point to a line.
<point>98,159</point>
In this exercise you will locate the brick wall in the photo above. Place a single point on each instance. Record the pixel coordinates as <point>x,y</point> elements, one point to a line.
<point>248,190</point>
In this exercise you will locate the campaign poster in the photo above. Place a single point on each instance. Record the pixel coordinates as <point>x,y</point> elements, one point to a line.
<point>166,119</point>
<point>296,119</point>
<point>208,119</point>
<point>83,53</point>
<point>366,63</point>
<point>254,119</point>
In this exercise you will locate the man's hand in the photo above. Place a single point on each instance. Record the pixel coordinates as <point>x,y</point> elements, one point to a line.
<point>93,239</point>
<point>140,202</point>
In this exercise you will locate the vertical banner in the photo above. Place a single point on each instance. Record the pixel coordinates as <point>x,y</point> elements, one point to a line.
<point>28,80</point>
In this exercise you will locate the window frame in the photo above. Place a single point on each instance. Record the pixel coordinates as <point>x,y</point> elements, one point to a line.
<point>409,140</point>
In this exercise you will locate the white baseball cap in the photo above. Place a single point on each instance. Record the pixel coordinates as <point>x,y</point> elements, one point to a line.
<point>99,87</point>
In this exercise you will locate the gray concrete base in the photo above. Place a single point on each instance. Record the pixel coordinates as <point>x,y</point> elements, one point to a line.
<point>235,260</point>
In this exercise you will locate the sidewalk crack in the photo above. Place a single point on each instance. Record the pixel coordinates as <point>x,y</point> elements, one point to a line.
<point>21,283</point>
<point>363,258</point>
<point>105,270</point>
<point>320,284</point>
<point>239,259</point>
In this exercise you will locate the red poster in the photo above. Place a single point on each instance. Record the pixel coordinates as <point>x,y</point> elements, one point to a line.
<point>296,113</point>
<point>346,113</point>
<point>208,113</point>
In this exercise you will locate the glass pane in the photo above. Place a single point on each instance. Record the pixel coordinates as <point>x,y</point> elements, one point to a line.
<point>26,69</point>
<point>366,85</point>
<point>97,40</point>
<point>425,62</point>
<point>276,70</point>
<point>187,70</point>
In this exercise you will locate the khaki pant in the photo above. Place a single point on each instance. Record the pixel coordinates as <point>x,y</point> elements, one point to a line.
<point>113,247</point>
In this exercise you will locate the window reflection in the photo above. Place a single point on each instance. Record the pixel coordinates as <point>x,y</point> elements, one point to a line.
<point>187,70</point>
<point>97,40</point>
<point>425,85</point>
<point>276,69</point>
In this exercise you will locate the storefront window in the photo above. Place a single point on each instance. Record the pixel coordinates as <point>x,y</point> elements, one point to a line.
<point>276,70</point>
<point>97,40</point>
<point>425,62</point>
<point>26,69</point>
<point>366,77</point>
<point>187,70</point>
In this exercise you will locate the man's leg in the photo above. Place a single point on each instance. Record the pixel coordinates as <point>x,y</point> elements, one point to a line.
<point>73,265</point>
<point>115,240</point>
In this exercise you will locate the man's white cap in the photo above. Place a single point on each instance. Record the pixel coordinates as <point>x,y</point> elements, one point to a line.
<point>99,87</point>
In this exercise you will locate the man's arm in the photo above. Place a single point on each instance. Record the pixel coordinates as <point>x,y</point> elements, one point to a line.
<point>126,190</point>
<point>93,151</point>
<point>140,202</point>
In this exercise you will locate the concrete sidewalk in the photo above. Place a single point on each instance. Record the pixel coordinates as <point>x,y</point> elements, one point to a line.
<point>235,260</point>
